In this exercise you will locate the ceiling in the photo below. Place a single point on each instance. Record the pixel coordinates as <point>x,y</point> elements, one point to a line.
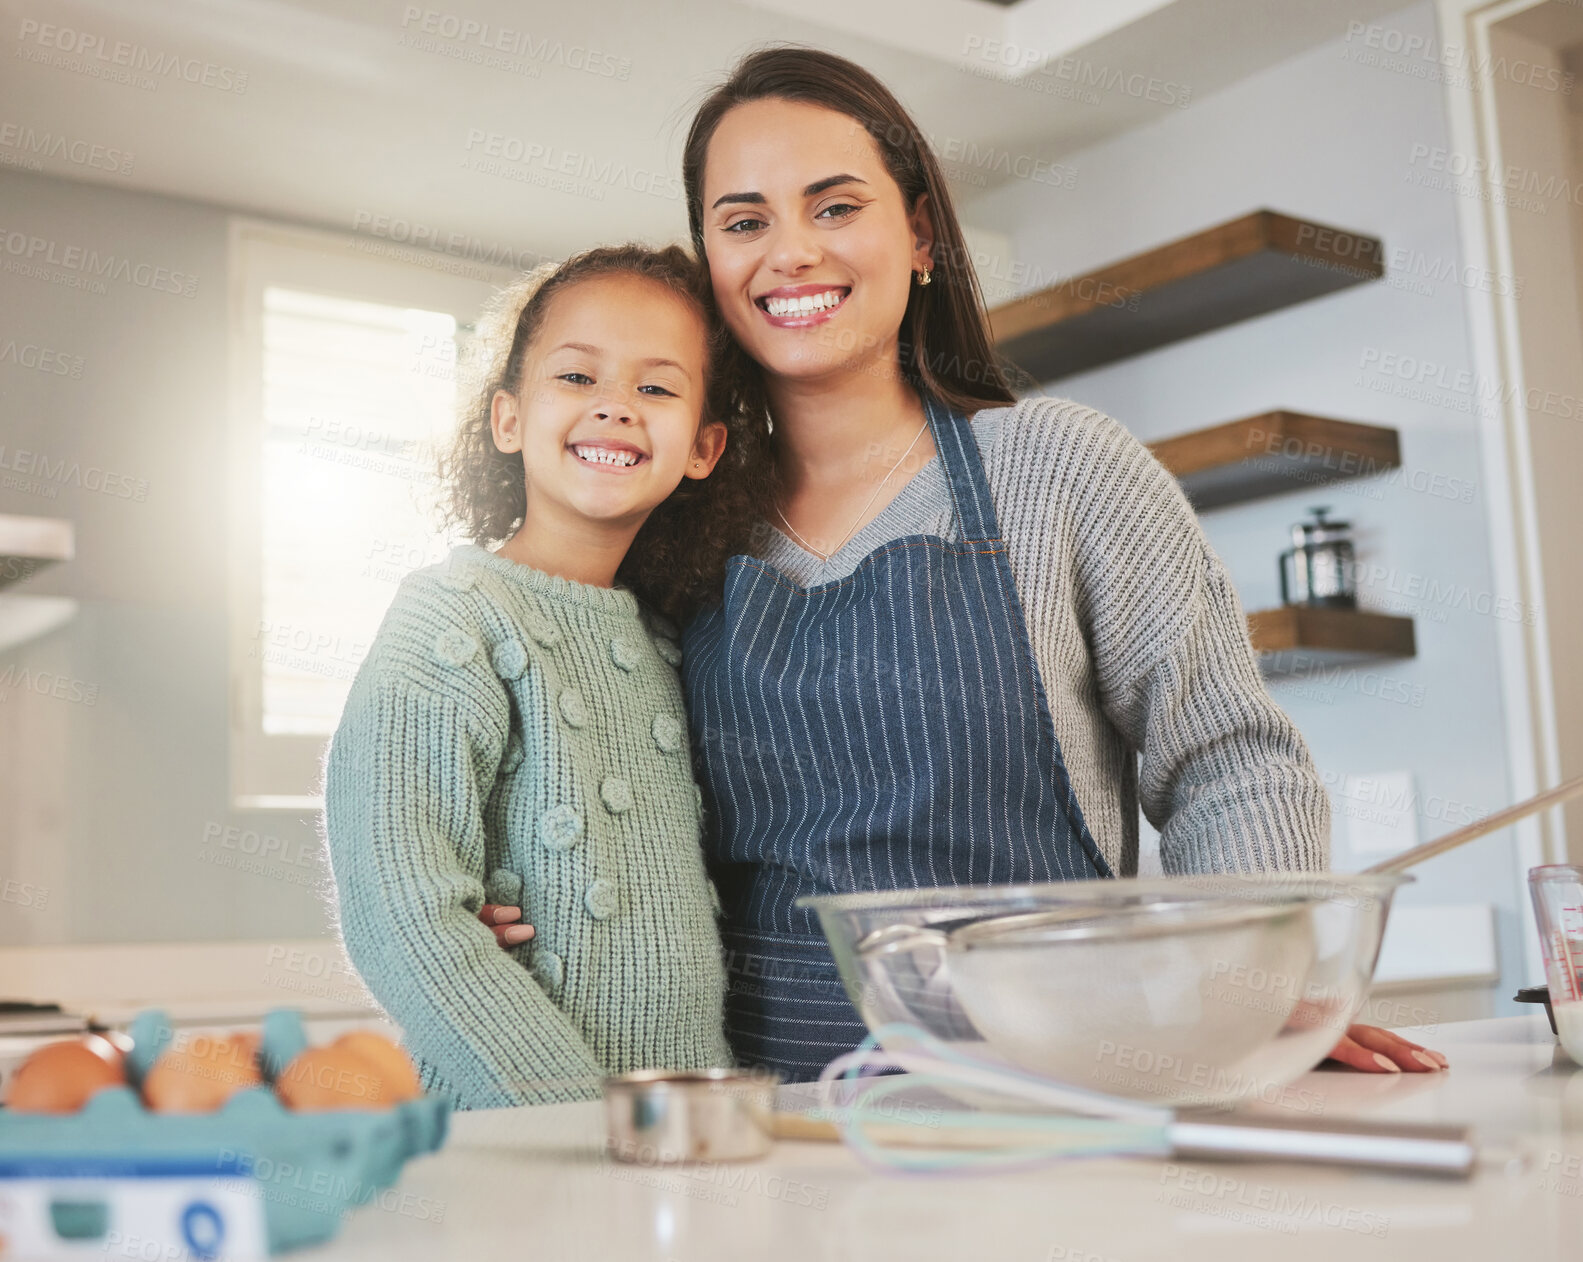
<point>465,116</point>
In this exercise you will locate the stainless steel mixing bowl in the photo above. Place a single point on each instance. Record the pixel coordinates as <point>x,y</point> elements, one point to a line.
<point>1174,990</point>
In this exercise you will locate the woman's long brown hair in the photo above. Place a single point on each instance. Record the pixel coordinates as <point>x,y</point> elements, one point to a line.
<point>944,345</point>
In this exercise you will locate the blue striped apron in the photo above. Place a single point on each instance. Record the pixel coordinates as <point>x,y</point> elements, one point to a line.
<point>886,730</point>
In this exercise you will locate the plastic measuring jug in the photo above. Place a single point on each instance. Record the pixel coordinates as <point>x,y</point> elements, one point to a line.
<point>1557,892</point>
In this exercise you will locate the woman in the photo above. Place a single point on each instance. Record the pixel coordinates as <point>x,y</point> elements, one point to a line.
<point>966,618</point>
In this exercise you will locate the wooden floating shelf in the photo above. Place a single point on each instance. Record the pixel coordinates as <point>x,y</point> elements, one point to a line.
<point>1272,453</point>
<point>28,544</point>
<point>1246,267</point>
<point>1299,638</point>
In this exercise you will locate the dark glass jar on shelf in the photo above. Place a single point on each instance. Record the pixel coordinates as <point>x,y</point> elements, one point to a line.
<point>1320,568</point>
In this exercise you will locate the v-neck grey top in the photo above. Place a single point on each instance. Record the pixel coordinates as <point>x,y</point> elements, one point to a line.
<point>1139,637</point>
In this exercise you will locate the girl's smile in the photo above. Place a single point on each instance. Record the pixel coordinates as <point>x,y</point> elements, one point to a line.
<point>608,418</point>
<point>607,455</point>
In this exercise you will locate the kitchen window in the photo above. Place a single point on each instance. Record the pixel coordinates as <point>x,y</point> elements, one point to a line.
<point>345,362</point>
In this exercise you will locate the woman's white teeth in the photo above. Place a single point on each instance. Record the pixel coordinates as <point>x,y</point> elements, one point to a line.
<point>604,455</point>
<point>808,302</point>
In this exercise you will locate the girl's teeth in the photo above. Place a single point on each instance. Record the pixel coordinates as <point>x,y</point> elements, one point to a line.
<point>599,455</point>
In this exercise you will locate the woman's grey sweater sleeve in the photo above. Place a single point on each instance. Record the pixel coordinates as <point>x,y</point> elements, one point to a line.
<point>1224,774</point>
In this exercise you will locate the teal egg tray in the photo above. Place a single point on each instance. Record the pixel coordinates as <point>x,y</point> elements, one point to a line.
<point>309,1169</point>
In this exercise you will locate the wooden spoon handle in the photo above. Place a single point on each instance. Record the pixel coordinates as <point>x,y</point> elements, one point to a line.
<point>1489,824</point>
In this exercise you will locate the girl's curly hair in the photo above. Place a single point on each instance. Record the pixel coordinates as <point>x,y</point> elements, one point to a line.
<point>676,563</point>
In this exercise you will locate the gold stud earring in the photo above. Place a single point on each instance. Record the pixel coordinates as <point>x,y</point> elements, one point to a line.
<point>925,276</point>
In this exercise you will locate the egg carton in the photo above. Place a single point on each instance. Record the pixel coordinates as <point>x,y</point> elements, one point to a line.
<point>308,1169</point>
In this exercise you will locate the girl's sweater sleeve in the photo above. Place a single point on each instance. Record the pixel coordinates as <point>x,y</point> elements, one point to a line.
<point>1224,774</point>
<point>407,779</point>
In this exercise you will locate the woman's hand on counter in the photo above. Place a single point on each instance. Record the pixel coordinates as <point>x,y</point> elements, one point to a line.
<point>502,922</point>
<point>1377,1051</point>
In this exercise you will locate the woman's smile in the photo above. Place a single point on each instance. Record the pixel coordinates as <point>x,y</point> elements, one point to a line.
<point>801,213</point>
<point>798,306</point>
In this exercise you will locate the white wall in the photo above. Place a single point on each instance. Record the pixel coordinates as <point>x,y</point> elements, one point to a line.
<point>116,807</point>
<point>1333,138</point>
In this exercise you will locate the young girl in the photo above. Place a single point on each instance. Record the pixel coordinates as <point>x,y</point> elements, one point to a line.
<point>517,734</point>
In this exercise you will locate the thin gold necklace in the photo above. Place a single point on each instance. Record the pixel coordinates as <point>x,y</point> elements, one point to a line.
<point>824,557</point>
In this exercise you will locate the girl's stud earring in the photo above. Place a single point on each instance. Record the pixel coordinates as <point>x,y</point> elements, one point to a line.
<point>925,276</point>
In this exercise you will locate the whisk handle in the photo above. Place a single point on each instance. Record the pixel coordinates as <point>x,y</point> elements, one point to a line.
<point>1422,1148</point>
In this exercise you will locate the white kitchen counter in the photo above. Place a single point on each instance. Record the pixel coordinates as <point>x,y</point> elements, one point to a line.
<point>533,1183</point>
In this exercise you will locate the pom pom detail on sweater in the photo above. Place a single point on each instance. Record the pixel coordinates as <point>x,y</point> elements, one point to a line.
<point>669,733</point>
<point>624,655</point>
<point>510,659</point>
<point>504,887</point>
<point>616,794</point>
<point>453,647</point>
<point>542,631</point>
<point>560,827</point>
<point>600,898</point>
<point>550,969</point>
<point>572,708</point>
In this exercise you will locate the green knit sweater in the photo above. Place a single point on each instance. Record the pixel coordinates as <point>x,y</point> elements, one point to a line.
<point>520,738</point>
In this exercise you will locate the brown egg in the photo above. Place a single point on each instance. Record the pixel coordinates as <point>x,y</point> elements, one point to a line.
<point>201,1076</point>
<point>332,1078</point>
<point>60,1077</point>
<point>395,1067</point>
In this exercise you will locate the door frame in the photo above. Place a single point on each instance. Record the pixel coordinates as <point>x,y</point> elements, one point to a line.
<point>1531,735</point>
